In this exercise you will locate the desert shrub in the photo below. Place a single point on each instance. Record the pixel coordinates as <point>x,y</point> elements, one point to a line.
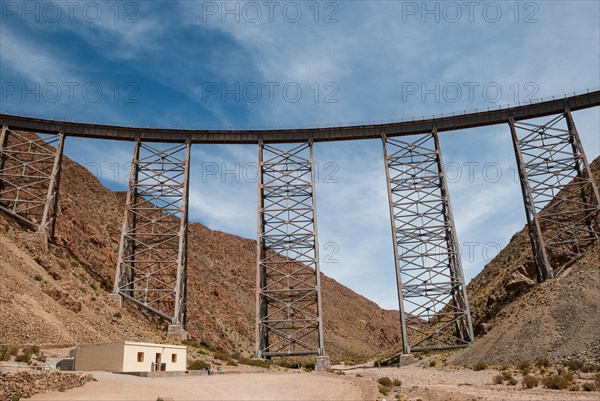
<point>524,367</point>
<point>507,375</point>
<point>25,356</point>
<point>231,362</point>
<point>256,362</point>
<point>590,367</point>
<point>530,381</point>
<point>574,387</point>
<point>498,379</point>
<point>94,287</point>
<point>222,355</point>
<point>385,381</point>
<point>396,382</point>
<point>432,363</point>
<point>542,362</point>
<point>574,365</point>
<point>37,277</point>
<point>35,349</point>
<point>5,353</point>
<point>558,381</point>
<point>15,397</point>
<point>191,343</point>
<point>93,298</point>
<point>401,397</point>
<point>359,375</point>
<point>597,379</point>
<point>118,315</point>
<point>480,366</point>
<point>589,386</point>
<point>198,365</point>
<point>62,389</point>
<point>384,390</point>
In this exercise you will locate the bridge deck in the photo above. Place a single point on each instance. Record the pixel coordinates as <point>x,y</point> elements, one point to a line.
<point>447,123</point>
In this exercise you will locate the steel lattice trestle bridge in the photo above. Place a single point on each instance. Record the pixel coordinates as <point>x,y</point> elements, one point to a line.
<point>434,310</point>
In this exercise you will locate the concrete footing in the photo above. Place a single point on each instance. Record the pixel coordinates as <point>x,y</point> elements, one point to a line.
<point>116,298</point>
<point>322,364</point>
<point>406,359</point>
<point>177,332</point>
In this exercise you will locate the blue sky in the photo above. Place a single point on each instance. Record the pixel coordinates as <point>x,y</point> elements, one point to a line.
<point>193,64</point>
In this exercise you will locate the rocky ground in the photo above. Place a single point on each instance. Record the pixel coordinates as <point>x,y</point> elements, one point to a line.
<point>26,384</point>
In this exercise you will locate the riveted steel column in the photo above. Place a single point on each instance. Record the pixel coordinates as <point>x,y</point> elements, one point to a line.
<point>316,245</point>
<point>152,261</point>
<point>3,139</point>
<point>262,334</point>
<point>434,308</point>
<point>544,271</point>
<point>126,221</point>
<point>592,219</point>
<point>560,193</point>
<point>181,289</point>
<point>288,298</point>
<point>51,206</point>
<point>404,333</point>
<point>459,292</point>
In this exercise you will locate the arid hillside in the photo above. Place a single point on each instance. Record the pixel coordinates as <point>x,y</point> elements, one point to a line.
<point>517,319</point>
<point>59,297</point>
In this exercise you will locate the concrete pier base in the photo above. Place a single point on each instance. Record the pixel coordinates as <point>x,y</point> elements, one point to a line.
<point>322,364</point>
<point>116,298</point>
<point>177,332</point>
<point>406,359</point>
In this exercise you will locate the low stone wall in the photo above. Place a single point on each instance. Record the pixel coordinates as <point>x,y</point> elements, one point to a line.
<point>26,384</point>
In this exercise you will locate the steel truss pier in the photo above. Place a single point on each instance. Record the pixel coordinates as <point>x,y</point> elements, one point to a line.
<point>152,262</point>
<point>288,296</point>
<point>550,159</point>
<point>434,309</point>
<point>29,177</point>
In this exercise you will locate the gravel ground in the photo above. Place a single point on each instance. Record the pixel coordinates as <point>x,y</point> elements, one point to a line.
<point>437,384</point>
<point>249,386</point>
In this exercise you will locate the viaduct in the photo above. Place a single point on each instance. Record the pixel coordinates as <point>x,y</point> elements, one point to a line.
<point>434,309</point>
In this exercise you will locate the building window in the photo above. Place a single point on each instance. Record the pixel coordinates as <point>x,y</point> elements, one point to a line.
<point>140,357</point>
<point>173,358</point>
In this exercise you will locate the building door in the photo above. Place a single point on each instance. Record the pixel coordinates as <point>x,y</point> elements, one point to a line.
<point>157,361</point>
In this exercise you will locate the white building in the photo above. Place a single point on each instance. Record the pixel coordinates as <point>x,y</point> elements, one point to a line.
<point>130,356</point>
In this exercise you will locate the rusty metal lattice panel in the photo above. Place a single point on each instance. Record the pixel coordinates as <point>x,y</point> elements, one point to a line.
<point>30,167</point>
<point>434,309</point>
<point>288,298</point>
<point>152,261</point>
<point>555,176</point>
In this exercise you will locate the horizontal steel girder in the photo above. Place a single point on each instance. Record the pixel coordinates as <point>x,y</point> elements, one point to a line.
<point>30,168</point>
<point>434,309</point>
<point>373,131</point>
<point>152,262</point>
<point>288,294</point>
<point>562,203</point>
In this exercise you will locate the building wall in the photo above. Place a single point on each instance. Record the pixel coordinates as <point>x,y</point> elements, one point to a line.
<point>108,357</point>
<point>130,357</point>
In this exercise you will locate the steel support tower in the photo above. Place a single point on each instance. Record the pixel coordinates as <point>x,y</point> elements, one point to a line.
<point>561,198</point>
<point>434,309</point>
<point>30,168</point>
<point>152,261</point>
<point>288,297</point>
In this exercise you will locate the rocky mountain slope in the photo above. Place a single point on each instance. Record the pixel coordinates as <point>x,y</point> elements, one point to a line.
<point>517,319</point>
<point>58,297</point>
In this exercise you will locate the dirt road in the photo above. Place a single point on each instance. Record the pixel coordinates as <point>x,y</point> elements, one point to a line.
<point>248,386</point>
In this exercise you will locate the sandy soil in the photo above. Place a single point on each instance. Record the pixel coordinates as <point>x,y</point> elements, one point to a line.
<point>436,384</point>
<point>250,386</point>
